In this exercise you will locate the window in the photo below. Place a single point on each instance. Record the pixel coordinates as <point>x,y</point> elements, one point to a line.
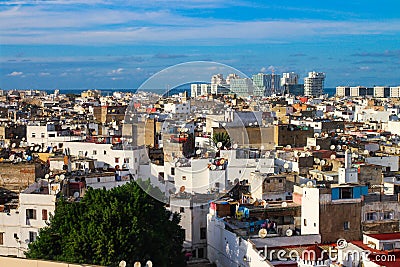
<point>44,215</point>
<point>32,236</point>
<point>184,178</point>
<point>280,180</point>
<point>52,135</point>
<point>33,135</point>
<point>1,238</point>
<point>203,233</point>
<point>346,193</point>
<point>305,222</point>
<point>116,160</point>
<point>105,152</point>
<point>135,160</point>
<point>94,152</point>
<point>172,171</point>
<point>346,225</point>
<point>388,215</point>
<point>31,214</point>
<point>388,246</point>
<point>42,135</point>
<point>182,210</point>
<point>370,216</point>
<point>126,160</point>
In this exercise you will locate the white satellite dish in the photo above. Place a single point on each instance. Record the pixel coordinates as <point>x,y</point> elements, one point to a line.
<point>289,232</point>
<point>333,156</point>
<point>286,165</point>
<point>323,162</point>
<point>19,159</point>
<point>31,148</point>
<point>263,233</point>
<point>310,184</point>
<point>284,204</point>
<point>318,147</point>
<point>23,138</point>
<point>262,147</point>
<point>317,160</point>
<point>11,157</point>
<point>338,130</point>
<point>76,194</point>
<point>219,144</point>
<point>235,146</point>
<point>137,264</point>
<point>316,135</point>
<point>332,147</point>
<point>13,145</point>
<point>343,138</point>
<point>213,167</point>
<point>198,151</point>
<point>339,147</point>
<point>149,264</point>
<point>288,146</point>
<point>47,176</point>
<point>37,148</point>
<point>122,264</point>
<point>366,151</point>
<point>267,154</point>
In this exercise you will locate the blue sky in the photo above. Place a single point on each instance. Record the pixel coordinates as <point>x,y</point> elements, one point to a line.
<point>120,43</point>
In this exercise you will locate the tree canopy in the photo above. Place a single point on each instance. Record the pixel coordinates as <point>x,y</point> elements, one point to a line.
<point>107,226</point>
<point>222,137</point>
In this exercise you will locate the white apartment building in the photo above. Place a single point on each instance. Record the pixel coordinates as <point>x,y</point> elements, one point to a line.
<point>47,135</point>
<point>19,227</point>
<point>314,84</point>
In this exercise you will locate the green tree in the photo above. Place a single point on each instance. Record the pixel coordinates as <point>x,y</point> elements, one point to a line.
<point>107,226</point>
<point>222,137</point>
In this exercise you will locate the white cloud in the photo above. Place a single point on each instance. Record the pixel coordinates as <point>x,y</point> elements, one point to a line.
<point>44,74</point>
<point>15,73</point>
<point>116,71</point>
<point>263,69</point>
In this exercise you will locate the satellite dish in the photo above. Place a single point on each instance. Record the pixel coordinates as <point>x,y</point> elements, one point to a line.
<point>310,184</point>
<point>326,134</point>
<point>137,264</point>
<point>198,151</point>
<point>366,151</point>
<point>13,145</point>
<point>47,176</point>
<point>76,194</point>
<point>332,147</point>
<point>219,144</point>
<point>122,264</point>
<point>343,138</point>
<point>54,149</point>
<point>333,156</point>
<point>318,147</point>
<point>149,264</point>
<point>316,135</point>
<point>284,204</point>
<point>289,232</point>
<point>267,154</point>
<point>235,146</point>
<point>286,165</point>
<point>105,168</point>
<point>323,162</point>
<point>288,146</point>
<point>11,157</point>
<point>19,159</point>
<point>339,147</point>
<point>263,233</point>
<point>262,147</point>
<point>213,167</point>
<point>317,160</point>
<point>31,148</point>
<point>37,148</point>
<point>23,139</point>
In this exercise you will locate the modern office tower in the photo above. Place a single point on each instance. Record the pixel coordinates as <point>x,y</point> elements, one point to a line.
<point>266,84</point>
<point>395,91</point>
<point>290,84</point>
<point>230,77</point>
<point>243,87</point>
<point>314,84</point>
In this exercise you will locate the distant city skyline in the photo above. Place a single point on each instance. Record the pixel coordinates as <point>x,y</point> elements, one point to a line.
<point>48,44</point>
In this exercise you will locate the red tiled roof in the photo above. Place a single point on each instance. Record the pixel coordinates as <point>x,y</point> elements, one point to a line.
<point>390,236</point>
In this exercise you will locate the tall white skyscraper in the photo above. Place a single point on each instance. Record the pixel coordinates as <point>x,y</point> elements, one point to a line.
<point>314,84</point>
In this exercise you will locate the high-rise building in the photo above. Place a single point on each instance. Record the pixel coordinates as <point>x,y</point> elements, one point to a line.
<point>266,84</point>
<point>314,84</point>
<point>290,84</point>
<point>243,87</point>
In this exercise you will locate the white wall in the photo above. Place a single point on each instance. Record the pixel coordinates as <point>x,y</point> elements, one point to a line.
<point>310,211</point>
